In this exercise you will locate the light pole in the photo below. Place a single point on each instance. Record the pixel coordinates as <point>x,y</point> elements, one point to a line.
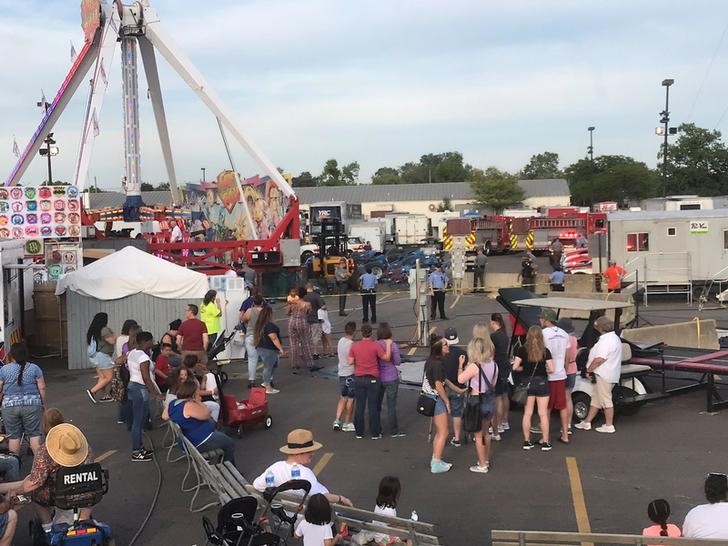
<point>666,83</point>
<point>48,141</point>
<point>203,173</point>
<point>590,149</point>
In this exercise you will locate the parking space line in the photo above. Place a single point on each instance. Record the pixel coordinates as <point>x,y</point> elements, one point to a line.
<point>455,301</point>
<point>577,497</point>
<point>432,330</point>
<point>325,458</point>
<point>104,455</point>
<point>412,351</point>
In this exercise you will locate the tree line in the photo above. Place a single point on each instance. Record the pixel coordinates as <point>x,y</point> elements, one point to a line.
<point>697,163</point>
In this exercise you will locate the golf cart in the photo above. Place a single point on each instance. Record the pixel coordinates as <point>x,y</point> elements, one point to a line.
<point>631,393</point>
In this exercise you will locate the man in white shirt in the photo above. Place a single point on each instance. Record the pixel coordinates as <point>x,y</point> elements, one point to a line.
<point>557,341</point>
<point>299,448</point>
<point>176,235</point>
<point>710,520</point>
<point>345,407</point>
<point>605,362</point>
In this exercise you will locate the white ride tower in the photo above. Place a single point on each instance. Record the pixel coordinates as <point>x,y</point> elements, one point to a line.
<point>104,26</point>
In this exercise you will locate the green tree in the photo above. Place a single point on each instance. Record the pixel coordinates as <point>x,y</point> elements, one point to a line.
<point>415,173</point>
<point>696,163</point>
<point>610,178</point>
<point>540,166</point>
<point>350,173</point>
<point>386,175</point>
<point>445,206</point>
<point>331,175</point>
<point>495,188</point>
<point>146,186</point>
<point>163,186</point>
<point>304,180</point>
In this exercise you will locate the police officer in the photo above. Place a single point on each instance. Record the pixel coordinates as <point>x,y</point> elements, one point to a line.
<point>342,275</point>
<point>479,274</point>
<point>368,287</point>
<point>438,283</point>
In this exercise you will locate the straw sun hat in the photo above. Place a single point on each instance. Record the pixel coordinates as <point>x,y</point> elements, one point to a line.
<point>300,440</point>
<point>67,445</point>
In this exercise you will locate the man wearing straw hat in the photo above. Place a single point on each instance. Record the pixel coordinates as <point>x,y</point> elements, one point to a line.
<point>65,446</point>
<point>299,448</point>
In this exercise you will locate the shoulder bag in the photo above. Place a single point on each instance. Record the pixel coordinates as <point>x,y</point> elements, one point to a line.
<point>426,402</point>
<point>472,412</point>
<point>520,393</point>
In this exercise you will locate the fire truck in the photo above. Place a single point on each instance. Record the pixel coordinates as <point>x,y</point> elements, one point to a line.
<point>538,232</point>
<point>501,234</point>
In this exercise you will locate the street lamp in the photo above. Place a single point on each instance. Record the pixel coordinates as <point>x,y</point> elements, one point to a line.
<point>203,173</point>
<point>590,149</point>
<point>665,118</point>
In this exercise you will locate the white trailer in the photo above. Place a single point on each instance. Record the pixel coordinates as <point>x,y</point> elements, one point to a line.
<point>407,229</point>
<point>372,231</point>
<point>668,251</point>
<point>16,295</point>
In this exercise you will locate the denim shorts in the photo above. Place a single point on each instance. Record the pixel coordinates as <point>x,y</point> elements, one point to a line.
<point>440,406</point>
<point>19,419</point>
<point>102,361</point>
<point>570,382</point>
<point>457,404</point>
<point>3,523</point>
<point>346,385</point>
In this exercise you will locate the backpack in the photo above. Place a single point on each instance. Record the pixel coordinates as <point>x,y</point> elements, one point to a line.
<point>526,269</point>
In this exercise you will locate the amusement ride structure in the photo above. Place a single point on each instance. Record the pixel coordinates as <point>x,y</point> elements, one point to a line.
<point>130,25</point>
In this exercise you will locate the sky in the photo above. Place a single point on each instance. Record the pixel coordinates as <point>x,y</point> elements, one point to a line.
<point>382,82</point>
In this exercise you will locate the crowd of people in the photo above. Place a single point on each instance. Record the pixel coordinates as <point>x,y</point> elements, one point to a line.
<point>169,377</point>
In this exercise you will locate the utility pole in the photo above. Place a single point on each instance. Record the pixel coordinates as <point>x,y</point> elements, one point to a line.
<point>666,120</point>
<point>590,149</point>
<point>203,173</point>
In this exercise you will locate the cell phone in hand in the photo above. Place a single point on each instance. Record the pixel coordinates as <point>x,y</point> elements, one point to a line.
<point>20,499</point>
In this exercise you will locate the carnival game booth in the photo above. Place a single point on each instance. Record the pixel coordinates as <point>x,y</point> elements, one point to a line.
<point>127,284</point>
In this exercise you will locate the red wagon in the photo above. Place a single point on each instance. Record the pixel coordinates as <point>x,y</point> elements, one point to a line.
<point>240,414</point>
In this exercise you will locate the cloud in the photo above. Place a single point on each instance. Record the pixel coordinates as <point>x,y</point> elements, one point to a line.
<point>385,82</point>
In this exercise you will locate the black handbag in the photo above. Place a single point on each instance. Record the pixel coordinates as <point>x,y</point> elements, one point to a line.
<point>520,393</point>
<point>472,412</point>
<point>426,405</point>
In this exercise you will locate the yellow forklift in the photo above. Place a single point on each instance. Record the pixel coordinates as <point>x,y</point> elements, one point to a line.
<point>332,242</point>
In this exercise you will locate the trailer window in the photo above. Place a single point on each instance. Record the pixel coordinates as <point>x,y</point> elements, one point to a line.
<point>638,242</point>
<point>725,239</point>
<point>671,232</point>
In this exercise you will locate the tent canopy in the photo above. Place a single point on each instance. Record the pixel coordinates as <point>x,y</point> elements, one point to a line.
<point>133,271</point>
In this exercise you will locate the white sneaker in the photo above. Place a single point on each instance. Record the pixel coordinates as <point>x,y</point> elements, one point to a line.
<point>608,429</point>
<point>495,437</point>
<point>583,425</point>
<point>505,426</point>
<point>479,469</point>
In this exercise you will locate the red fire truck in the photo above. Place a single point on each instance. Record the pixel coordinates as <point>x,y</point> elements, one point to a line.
<point>538,232</point>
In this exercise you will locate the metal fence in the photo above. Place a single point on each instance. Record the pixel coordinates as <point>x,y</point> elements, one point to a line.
<point>153,314</point>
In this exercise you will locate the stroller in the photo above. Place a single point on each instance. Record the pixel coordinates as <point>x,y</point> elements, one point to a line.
<point>246,413</point>
<point>216,348</point>
<point>239,524</point>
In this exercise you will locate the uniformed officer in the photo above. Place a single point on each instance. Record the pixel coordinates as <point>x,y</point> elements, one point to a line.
<point>342,275</point>
<point>368,286</point>
<point>438,283</point>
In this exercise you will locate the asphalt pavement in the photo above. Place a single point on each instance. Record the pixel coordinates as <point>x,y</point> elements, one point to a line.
<point>599,482</point>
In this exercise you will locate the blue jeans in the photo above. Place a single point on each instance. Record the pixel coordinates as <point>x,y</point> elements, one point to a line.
<point>218,440</point>
<point>10,468</point>
<point>252,353</point>
<point>366,392</point>
<point>389,391</point>
<point>270,361</point>
<point>139,399</point>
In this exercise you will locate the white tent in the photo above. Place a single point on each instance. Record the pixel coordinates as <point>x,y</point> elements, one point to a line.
<point>132,271</point>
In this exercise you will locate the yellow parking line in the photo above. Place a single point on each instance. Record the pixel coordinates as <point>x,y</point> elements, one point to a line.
<point>104,455</point>
<point>412,351</point>
<point>325,458</point>
<point>577,497</point>
<point>455,301</point>
<point>432,330</point>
